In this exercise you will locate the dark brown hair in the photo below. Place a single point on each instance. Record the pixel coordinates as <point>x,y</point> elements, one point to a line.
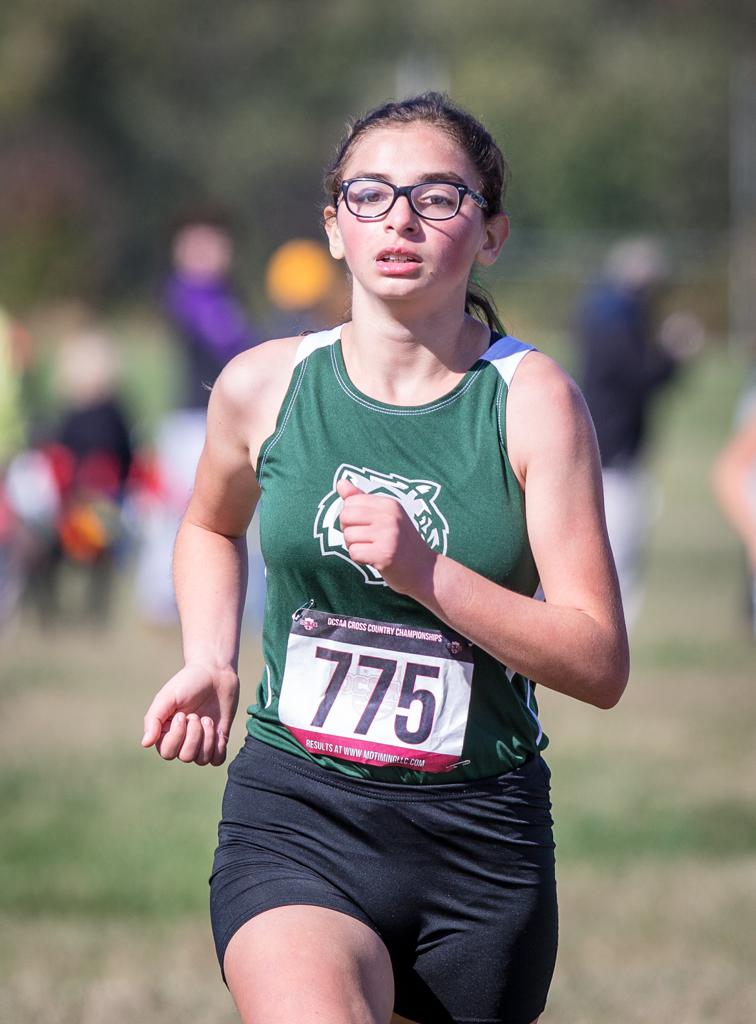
<point>437,109</point>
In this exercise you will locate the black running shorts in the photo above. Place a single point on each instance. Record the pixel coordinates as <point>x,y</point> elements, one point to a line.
<point>456,879</point>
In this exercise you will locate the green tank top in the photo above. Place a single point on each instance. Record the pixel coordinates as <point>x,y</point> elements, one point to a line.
<point>359,678</point>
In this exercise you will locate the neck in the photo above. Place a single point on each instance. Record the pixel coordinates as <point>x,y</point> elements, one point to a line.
<point>402,356</point>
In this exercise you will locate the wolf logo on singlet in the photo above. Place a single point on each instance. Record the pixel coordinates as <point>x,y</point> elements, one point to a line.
<point>417,498</point>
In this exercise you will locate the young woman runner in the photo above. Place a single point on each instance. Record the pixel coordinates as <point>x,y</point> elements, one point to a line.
<point>386,838</point>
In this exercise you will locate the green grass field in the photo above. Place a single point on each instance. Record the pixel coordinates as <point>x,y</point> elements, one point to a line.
<point>105,850</point>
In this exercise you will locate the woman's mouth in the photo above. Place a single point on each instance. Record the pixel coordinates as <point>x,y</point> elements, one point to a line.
<point>397,256</point>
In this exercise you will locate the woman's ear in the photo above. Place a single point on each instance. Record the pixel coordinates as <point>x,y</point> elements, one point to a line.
<point>497,232</point>
<point>331,225</point>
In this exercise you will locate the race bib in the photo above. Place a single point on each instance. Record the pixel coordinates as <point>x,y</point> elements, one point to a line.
<point>378,693</point>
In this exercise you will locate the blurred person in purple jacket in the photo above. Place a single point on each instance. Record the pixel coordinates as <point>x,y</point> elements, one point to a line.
<point>210,326</point>
<point>206,316</point>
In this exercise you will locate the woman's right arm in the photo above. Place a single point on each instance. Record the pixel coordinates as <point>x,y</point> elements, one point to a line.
<point>190,717</point>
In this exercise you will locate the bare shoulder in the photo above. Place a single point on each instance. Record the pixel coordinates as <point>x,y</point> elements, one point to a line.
<point>541,380</point>
<point>546,413</point>
<point>254,373</point>
<point>250,390</point>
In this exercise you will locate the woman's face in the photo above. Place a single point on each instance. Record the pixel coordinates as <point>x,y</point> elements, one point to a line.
<point>401,256</point>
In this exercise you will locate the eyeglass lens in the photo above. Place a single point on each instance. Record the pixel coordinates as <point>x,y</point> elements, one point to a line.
<point>431,200</point>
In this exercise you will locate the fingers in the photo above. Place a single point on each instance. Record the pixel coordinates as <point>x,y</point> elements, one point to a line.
<point>364,554</point>
<point>207,752</point>
<point>360,542</point>
<point>346,489</point>
<point>370,510</point>
<point>172,738</point>
<point>221,743</point>
<point>360,507</point>
<point>160,711</point>
<point>361,534</point>
<point>192,739</point>
<point>190,718</point>
<point>152,729</point>
<point>351,513</point>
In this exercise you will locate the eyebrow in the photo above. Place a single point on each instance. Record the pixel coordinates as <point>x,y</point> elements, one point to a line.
<point>432,176</point>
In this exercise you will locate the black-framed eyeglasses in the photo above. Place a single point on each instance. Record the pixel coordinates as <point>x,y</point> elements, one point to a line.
<point>368,198</point>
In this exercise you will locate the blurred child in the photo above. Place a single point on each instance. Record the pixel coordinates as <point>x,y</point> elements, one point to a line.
<point>89,454</point>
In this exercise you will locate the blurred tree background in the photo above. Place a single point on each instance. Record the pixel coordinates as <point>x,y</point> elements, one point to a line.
<point>614,114</point>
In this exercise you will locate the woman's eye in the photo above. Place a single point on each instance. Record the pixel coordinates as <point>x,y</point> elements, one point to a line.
<point>370,196</point>
<point>438,198</point>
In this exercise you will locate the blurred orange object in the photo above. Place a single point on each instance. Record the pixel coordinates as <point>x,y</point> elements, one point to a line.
<point>86,530</point>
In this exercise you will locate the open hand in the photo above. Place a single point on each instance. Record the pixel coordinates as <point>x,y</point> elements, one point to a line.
<point>190,717</point>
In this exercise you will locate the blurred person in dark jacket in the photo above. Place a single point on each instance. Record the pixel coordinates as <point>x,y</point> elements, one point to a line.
<point>88,454</point>
<point>628,355</point>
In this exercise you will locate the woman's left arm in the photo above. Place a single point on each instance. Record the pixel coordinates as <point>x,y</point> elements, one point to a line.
<point>574,642</point>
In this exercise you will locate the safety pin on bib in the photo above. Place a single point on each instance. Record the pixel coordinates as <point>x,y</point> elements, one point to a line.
<point>302,609</point>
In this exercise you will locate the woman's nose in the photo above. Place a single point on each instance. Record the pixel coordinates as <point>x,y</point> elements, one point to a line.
<point>401,216</point>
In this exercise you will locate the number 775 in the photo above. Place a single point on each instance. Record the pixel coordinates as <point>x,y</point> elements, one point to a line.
<point>386,671</point>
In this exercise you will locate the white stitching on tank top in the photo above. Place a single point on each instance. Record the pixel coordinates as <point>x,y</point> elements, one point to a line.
<point>440,404</point>
<point>279,433</point>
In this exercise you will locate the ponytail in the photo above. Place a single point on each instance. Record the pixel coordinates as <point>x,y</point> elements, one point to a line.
<point>480,304</point>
